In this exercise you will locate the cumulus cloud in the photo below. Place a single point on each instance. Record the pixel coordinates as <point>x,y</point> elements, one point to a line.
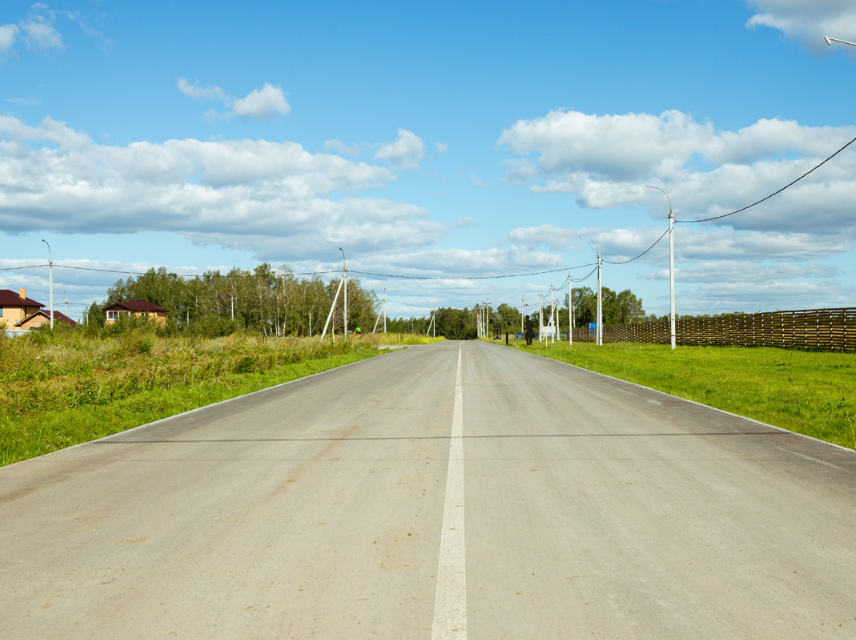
<point>275,199</point>
<point>604,160</point>
<point>262,104</point>
<point>405,152</point>
<point>341,147</point>
<point>809,21</point>
<point>8,35</point>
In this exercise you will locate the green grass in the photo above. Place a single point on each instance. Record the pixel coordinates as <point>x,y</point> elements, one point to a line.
<point>73,390</point>
<point>803,391</point>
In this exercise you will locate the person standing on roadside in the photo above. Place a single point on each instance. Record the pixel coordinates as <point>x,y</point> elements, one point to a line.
<point>529,326</point>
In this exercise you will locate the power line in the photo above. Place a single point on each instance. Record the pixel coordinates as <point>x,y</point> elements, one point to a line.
<point>32,266</point>
<point>790,184</point>
<point>509,275</point>
<point>407,304</point>
<point>641,254</point>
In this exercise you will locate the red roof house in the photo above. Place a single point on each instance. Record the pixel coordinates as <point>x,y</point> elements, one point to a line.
<point>138,308</point>
<point>41,317</point>
<point>15,307</point>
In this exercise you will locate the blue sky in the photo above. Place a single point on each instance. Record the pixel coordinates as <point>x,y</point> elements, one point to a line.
<point>441,139</point>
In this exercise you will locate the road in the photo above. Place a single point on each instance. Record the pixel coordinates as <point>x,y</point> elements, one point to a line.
<point>458,490</point>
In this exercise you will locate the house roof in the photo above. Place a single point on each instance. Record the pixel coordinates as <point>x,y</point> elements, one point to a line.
<point>58,317</point>
<point>134,305</point>
<point>9,298</point>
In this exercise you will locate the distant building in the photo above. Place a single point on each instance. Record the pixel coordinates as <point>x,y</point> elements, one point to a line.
<point>15,307</point>
<point>41,317</point>
<point>140,308</point>
<point>20,313</point>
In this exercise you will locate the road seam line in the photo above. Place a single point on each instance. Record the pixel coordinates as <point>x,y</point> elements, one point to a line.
<point>450,603</point>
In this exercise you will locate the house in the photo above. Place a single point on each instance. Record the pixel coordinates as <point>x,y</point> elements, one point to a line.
<point>15,307</point>
<point>140,308</point>
<point>41,317</point>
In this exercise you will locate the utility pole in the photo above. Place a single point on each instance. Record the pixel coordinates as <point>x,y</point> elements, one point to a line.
<point>522,312</point>
<point>384,309</point>
<point>540,317</point>
<point>345,279</point>
<point>599,303</point>
<point>570,309</point>
<point>552,314</point>
<point>599,319</point>
<point>50,267</point>
<point>671,265</point>
<point>66,301</point>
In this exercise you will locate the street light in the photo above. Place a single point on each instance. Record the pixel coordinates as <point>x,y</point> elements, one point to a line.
<point>829,41</point>
<point>599,327</point>
<point>345,278</point>
<point>671,264</point>
<point>50,267</point>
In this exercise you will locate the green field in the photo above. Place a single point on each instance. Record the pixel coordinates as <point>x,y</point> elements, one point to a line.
<point>807,392</point>
<point>65,389</point>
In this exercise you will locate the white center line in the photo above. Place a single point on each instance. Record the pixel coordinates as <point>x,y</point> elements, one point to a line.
<point>450,604</point>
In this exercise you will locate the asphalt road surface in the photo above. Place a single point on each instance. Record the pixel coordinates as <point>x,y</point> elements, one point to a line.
<point>459,490</point>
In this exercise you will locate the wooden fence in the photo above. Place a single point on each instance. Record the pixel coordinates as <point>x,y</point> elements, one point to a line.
<point>817,329</point>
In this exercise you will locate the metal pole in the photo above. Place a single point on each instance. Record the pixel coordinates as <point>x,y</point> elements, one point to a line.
<point>552,311</point>
<point>345,280</point>
<point>540,317</point>
<point>599,303</point>
<point>570,309</point>
<point>829,41</point>
<point>384,310</point>
<point>332,306</point>
<point>50,268</point>
<point>522,313</point>
<point>671,267</point>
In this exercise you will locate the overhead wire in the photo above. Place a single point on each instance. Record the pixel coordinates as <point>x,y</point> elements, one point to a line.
<point>790,184</point>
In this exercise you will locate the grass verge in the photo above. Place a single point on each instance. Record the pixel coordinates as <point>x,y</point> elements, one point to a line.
<point>60,395</point>
<point>802,391</point>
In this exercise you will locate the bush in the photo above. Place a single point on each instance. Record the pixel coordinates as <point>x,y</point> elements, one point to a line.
<point>136,341</point>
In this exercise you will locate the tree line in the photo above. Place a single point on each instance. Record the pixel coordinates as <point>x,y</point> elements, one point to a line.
<point>276,302</point>
<point>271,302</point>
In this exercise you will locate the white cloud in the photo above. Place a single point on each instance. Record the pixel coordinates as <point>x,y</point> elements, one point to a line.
<point>442,148</point>
<point>405,153</point>
<point>262,104</point>
<point>809,21</point>
<point>690,244</point>
<point>768,296</point>
<point>604,160</point>
<point>733,271</point>
<point>275,199</point>
<point>32,101</point>
<point>8,35</point>
<point>198,91</point>
<point>39,31</point>
<point>341,147</point>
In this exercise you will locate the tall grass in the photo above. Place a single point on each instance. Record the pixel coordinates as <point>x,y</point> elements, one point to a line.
<point>63,388</point>
<point>808,392</point>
